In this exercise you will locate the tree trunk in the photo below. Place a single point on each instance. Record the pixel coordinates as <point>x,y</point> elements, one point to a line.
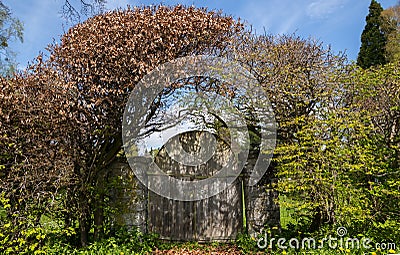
<point>316,221</point>
<point>84,230</point>
<point>99,218</point>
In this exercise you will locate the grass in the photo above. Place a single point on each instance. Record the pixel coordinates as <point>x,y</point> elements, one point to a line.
<point>286,214</point>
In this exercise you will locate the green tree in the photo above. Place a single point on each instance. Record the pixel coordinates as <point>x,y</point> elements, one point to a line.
<point>380,98</point>
<point>325,170</point>
<point>373,39</point>
<point>302,80</point>
<point>10,29</point>
<point>342,167</point>
<point>392,19</point>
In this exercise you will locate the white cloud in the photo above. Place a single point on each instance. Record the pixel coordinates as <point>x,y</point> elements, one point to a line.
<point>322,8</point>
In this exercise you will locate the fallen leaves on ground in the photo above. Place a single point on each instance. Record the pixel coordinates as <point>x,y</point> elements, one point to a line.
<point>227,249</point>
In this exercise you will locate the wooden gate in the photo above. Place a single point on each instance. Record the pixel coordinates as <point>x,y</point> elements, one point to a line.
<point>216,218</point>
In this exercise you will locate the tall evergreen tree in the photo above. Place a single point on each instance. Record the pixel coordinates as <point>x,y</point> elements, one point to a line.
<point>373,38</point>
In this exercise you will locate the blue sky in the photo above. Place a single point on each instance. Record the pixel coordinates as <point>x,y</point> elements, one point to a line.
<point>338,23</point>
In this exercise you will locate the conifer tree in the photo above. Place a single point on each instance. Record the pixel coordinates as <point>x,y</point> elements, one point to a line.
<point>373,39</point>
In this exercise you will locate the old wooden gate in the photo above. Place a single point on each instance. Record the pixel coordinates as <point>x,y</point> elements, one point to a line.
<point>218,218</point>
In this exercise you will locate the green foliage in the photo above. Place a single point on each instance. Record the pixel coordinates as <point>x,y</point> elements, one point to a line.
<point>392,21</point>
<point>373,39</point>
<point>318,169</point>
<point>246,243</point>
<point>380,96</point>
<point>20,238</point>
<point>342,167</point>
<point>10,29</point>
<point>123,242</point>
<point>340,245</point>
